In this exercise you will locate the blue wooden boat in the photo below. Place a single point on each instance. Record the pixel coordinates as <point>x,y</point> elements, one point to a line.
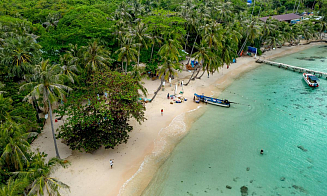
<point>214,101</point>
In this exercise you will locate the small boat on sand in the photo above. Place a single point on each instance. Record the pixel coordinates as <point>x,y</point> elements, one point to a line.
<point>214,101</point>
<point>311,79</point>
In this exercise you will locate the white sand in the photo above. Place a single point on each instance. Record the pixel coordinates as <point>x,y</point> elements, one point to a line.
<point>90,174</point>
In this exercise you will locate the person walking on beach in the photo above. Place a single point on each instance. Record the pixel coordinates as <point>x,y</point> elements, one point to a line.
<point>111,163</point>
<point>168,96</point>
<point>161,112</point>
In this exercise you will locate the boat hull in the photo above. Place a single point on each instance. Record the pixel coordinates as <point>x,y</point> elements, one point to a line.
<point>213,101</point>
<point>306,79</point>
<point>219,104</point>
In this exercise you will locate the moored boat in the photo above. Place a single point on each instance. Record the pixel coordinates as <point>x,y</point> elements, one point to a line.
<point>214,101</point>
<point>311,79</point>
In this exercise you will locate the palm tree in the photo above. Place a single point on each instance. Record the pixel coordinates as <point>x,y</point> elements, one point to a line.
<point>40,171</point>
<point>127,53</point>
<point>47,83</point>
<point>141,37</point>
<point>17,54</point>
<point>155,39</point>
<point>167,69</point>
<point>68,65</point>
<point>170,49</point>
<point>96,57</point>
<point>5,105</point>
<point>13,140</point>
<point>52,20</point>
<point>136,74</point>
<point>14,187</point>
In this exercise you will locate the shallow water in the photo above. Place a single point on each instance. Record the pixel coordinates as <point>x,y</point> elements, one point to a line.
<point>277,112</point>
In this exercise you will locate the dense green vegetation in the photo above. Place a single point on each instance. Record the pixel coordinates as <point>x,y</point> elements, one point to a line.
<point>83,58</point>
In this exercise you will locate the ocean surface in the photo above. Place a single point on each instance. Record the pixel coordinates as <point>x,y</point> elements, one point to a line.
<point>275,111</point>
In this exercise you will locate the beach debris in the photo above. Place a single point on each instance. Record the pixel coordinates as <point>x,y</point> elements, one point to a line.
<point>244,191</point>
<point>282,179</point>
<point>228,187</point>
<point>302,148</point>
<point>248,169</point>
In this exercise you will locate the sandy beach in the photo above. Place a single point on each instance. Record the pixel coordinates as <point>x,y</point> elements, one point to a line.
<point>90,174</point>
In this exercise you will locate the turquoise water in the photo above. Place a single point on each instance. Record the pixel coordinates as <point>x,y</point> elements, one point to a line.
<point>276,112</point>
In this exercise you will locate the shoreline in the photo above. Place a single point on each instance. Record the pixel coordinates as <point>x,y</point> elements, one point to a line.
<point>90,174</point>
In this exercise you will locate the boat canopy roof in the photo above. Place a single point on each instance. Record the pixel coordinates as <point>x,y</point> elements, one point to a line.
<point>313,77</point>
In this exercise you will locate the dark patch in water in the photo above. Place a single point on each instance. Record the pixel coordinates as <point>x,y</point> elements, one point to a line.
<point>302,148</point>
<point>320,99</point>
<point>300,188</point>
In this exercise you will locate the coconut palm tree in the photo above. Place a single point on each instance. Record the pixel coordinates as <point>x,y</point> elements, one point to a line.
<point>48,83</point>
<point>137,75</point>
<point>155,39</point>
<point>41,172</point>
<point>168,68</point>
<point>170,50</point>
<point>141,37</point>
<point>14,187</point>
<point>13,140</point>
<point>95,57</point>
<point>17,54</point>
<point>127,52</point>
<point>69,67</point>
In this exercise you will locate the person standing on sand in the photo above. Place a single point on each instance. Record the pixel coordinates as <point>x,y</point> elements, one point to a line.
<point>161,112</point>
<point>111,163</point>
<point>168,96</point>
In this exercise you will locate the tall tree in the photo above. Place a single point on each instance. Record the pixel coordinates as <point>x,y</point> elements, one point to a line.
<point>47,82</point>
<point>15,146</point>
<point>17,54</point>
<point>141,38</point>
<point>168,69</point>
<point>127,52</point>
<point>104,121</point>
<point>40,171</point>
<point>95,57</point>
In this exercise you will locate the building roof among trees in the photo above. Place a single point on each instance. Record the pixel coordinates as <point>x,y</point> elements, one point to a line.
<point>284,17</point>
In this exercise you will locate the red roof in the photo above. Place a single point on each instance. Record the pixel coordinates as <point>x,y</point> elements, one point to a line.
<point>284,17</point>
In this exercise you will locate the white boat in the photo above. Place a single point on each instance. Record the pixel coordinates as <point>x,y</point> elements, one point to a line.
<point>311,79</point>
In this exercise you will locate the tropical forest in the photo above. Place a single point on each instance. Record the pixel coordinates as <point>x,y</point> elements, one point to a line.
<point>86,60</point>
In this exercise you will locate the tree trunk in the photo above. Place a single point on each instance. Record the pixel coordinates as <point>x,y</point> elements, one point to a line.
<point>192,49</point>
<point>186,40</point>
<point>191,76</point>
<point>53,133</point>
<point>126,67</point>
<point>155,93</point>
<point>138,57</point>
<point>151,52</point>
<point>201,75</point>
<point>122,66</point>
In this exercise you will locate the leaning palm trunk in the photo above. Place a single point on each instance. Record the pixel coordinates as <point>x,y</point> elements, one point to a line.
<point>197,71</point>
<point>152,52</point>
<point>53,133</point>
<point>155,93</point>
<point>192,49</point>
<point>201,74</point>
<point>190,77</point>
